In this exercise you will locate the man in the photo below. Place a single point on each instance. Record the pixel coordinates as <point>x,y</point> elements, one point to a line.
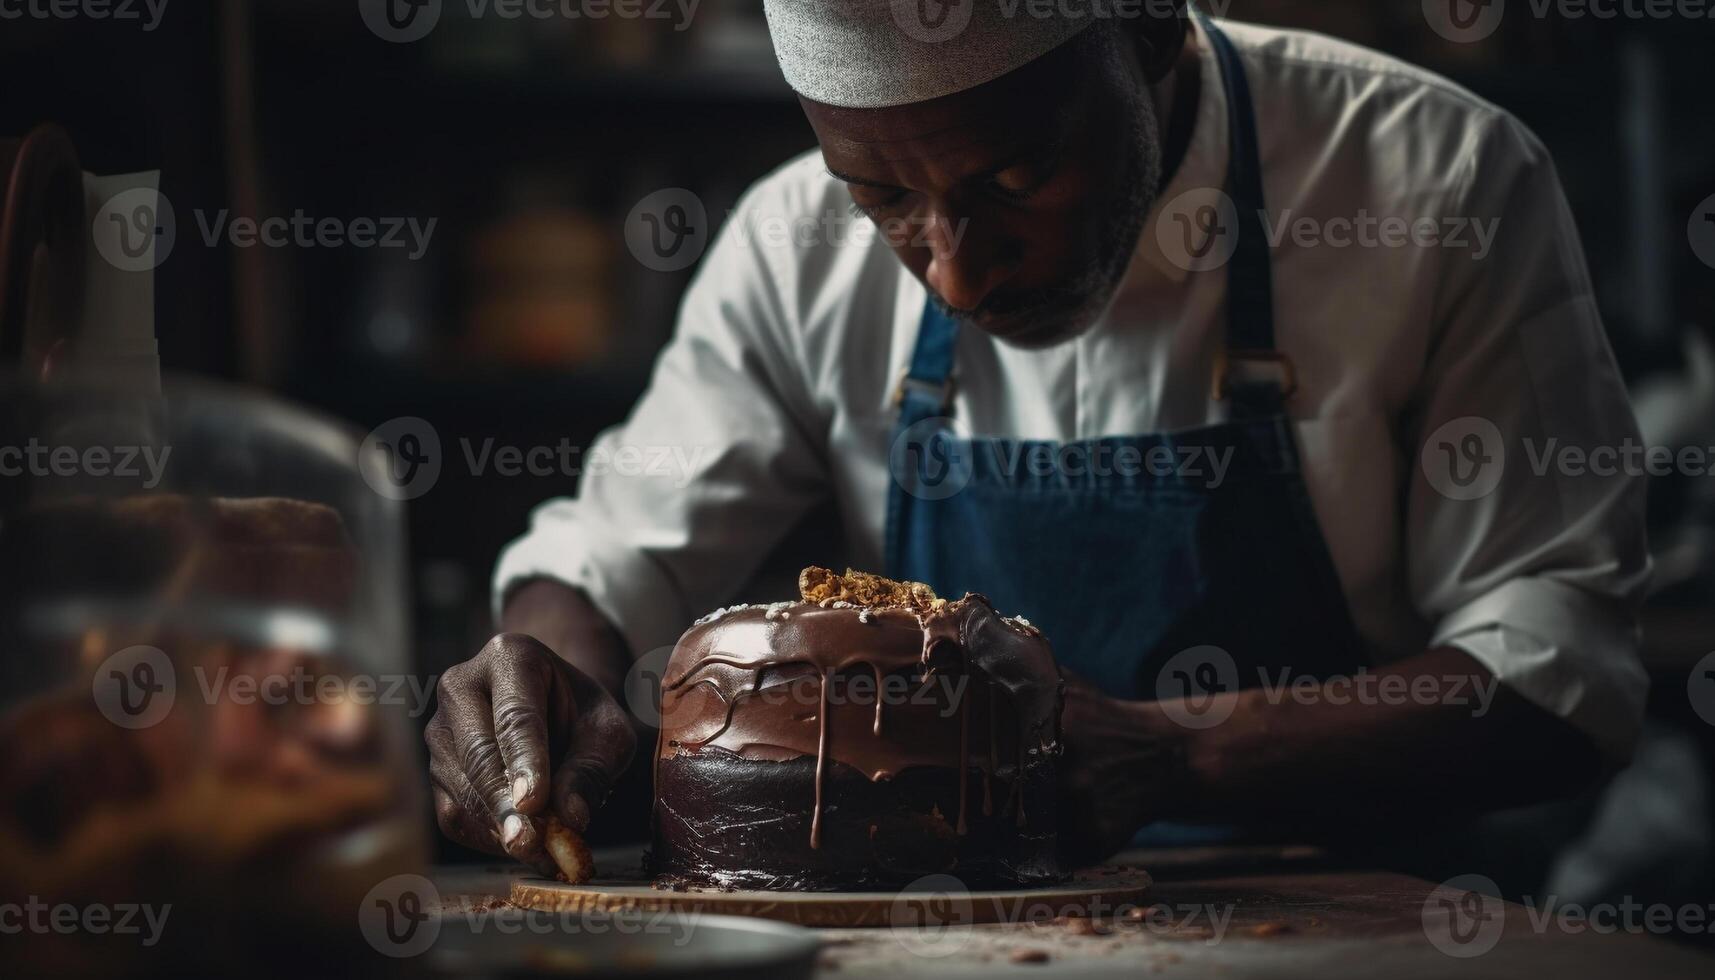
<point>1209,449</point>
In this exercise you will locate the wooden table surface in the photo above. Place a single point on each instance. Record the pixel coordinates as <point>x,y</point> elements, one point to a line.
<point>1226,913</point>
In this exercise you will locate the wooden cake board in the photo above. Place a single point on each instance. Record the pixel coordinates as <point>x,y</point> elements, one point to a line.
<point>1096,892</point>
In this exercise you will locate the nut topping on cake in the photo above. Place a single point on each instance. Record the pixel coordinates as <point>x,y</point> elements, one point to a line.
<point>821,585</point>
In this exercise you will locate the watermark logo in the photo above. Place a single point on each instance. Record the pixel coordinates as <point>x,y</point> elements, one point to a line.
<point>134,230</point>
<point>135,687</point>
<point>933,916</point>
<point>1700,688</point>
<point>400,21</point>
<point>1464,458</point>
<point>1198,230</point>
<point>930,461</point>
<point>932,21</point>
<point>398,917</point>
<point>1701,231</point>
<point>643,685</point>
<point>668,230</point>
<point>1464,21</point>
<point>1191,682</point>
<point>1463,918</point>
<point>401,458</point>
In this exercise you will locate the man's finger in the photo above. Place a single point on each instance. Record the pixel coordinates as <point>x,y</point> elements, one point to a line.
<point>602,746</point>
<point>461,812</point>
<point>470,716</point>
<point>522,687</point>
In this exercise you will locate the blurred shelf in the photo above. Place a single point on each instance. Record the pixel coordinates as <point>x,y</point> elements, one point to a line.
<point>761,83</point>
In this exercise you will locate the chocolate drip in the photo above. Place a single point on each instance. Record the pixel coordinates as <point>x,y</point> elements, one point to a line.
<point>878,700</point>
<point>821,764</point>
<point>964,758</point>
<point>988,774</point>
<point>1018,786</point>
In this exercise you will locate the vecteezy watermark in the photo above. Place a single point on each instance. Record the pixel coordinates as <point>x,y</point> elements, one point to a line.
<point>136,229</point>
<point>33,915</point>
<point>300,230</point>
<point>1476,692</point>
<point>401,459</point>
<point>933,917</point>
<point>39,460</point>
<point>936,21</point>
<point>300,685</point>
<point>403,916</point>
<point>137,687</point>
<point>642,685</point>
<point>1191,686</point>
<point>932,460</point>
<point>1701,231</point>
<point>1464,21</point>
<point>399,917</point>
<point>404,21</point>
<point>1467,21</point>
<point>840,227</point>
<point>148,13</point>
<point>1199,230</point>
<point>670,229</point>
<point>1700,688</point>
<point>943,693</point>
<point>1464,458</point>
<point>1366,230</point>
<point>1463,918</point>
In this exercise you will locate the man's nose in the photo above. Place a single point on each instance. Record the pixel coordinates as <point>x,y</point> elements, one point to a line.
<point>963,268</point>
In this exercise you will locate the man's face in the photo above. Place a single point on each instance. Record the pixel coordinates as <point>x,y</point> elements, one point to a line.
<point>1017,203</point>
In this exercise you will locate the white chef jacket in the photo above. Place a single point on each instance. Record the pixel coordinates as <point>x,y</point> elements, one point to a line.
<point>778,382</point>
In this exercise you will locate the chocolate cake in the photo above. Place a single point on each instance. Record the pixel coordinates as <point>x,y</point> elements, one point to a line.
<point>860,738</point>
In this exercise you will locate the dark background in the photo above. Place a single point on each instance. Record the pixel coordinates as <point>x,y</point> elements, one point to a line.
<point>530,141</point>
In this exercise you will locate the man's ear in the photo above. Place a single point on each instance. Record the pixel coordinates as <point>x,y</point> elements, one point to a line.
<point>1159,41</point>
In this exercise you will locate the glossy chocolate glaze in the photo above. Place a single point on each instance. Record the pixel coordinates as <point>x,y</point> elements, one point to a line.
<point>760,694</point>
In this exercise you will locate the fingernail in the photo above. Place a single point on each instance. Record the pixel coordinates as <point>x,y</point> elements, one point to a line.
<point>520,788</point>
<point>511,829</point>
<point>577,813</point>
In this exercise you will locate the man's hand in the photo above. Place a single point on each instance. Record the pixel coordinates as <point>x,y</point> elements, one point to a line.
<point>1121,768</point>
<point>520,734</point>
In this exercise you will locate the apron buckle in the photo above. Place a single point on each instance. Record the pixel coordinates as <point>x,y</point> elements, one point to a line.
<point>942,391</point>
<point>1224,359</point>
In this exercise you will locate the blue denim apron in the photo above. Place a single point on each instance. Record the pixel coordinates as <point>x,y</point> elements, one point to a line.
<point>1124,566</point>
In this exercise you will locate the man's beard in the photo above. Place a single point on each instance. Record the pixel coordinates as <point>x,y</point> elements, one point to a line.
<point>1060,313</point>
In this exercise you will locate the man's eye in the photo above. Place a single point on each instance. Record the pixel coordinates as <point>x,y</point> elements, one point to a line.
<point>873,203</point>
<point>1016,180</point>
<point>1016,183</point>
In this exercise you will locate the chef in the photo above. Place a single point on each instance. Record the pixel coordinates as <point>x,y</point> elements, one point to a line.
<point>1234,358</point>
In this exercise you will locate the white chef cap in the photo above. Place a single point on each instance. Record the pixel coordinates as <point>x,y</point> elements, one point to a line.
<point>865,54</point>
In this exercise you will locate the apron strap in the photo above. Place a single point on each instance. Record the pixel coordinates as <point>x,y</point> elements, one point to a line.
<point>1250,280</point>
<point>925,390</point>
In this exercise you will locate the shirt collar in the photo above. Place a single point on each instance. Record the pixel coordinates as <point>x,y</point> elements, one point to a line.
<point>1204,166</point>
